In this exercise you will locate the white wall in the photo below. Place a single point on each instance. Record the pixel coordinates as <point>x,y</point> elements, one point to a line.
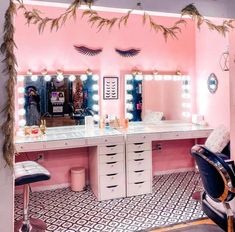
<point>6,178</point>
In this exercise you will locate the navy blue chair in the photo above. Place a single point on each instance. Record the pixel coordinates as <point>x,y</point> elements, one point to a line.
<point>218,180</point>
<point>28,172</point>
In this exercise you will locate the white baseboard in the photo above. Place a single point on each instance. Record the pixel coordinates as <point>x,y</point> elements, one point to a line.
<point>174,171</point>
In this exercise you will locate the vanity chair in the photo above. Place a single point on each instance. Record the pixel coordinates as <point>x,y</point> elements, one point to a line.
<point>28,172</point>
<point>218,180</point>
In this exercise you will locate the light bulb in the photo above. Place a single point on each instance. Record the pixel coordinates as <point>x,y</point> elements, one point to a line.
<point>34,77</point>
<point>96,117</point>
<point>95,107</point>
<point>22,122</point>
<point>72,77</point>
<point>95,97</point>
<point>22,112</point>
<point>148,77</point>
<point>47,77</point>
<point>129,87</point>
<point>129,97</point>
<point>83,77</point>
<point>129,116</point>
<point>21,90</point>
<point>129,77</point>
<point>20,78</point>
<point>158,77</point>
<point>139,77</point>
<point>95,77</point>
<point>21,101</point>
<point>95,87</point>
<point>60,77</point>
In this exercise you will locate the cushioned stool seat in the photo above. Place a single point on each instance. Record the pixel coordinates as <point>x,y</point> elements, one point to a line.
<point>25,173</point>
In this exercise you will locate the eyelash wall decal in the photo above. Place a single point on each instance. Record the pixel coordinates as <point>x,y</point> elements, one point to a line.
<point>88,51</point>
<point>128,53</point>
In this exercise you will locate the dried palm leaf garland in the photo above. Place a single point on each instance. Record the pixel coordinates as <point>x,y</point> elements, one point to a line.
<point>34,16</point>
<point>192,11</point>
<point>7,48</point>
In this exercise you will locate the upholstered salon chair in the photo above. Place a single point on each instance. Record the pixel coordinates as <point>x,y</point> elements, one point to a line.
<point>28,172</point>
<point>218,180</point>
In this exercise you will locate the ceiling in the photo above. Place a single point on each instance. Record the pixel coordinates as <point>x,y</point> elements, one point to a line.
<point>217,8</point>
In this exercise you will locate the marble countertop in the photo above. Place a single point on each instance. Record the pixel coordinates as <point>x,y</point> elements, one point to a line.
<point>163,126</point>
<point>66,133</point>
<point>80,132</point>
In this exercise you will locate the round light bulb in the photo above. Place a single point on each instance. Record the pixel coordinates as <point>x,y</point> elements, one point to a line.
<point>95,87</point>
<point>21,101</point>
<point>129,97</point>
<point>72,77</point>
<point>22,122</point>
<point>96,117</point>
<point>148,77</point>
<point>21,90</point>
<point>60,77</point>
<point>22,112</point>
<point>34,77</point>
<point>129,77</point>
<point>129,116</point>
<point>47,78</point>
<point>95,107</point>
<point>95,97</point>
<point>20,78</point>
<point>83,77</point>
<point>95,77</point>
<point>129,87</point>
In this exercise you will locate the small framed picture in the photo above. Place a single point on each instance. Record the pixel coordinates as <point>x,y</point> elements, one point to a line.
<point>110,88</point>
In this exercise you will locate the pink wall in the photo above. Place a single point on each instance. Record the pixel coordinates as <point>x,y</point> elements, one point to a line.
<point>164,96</point>
<point>232,91</point>
<point>215,107</point>
<point>55,50</point>
<point>174,155</point>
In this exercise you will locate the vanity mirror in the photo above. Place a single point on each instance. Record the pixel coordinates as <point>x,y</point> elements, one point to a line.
<point>151,98</point>
<point>212,83</point>
<point>59,99</point>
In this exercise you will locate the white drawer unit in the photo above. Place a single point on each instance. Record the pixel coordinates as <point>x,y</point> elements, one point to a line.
<point>141,146</point>
<point>111,157</point>
<point>64,144</point>
<point>28,147</point>
<point>139,167</point>
<point>138,188</point>
<point>107,170</point>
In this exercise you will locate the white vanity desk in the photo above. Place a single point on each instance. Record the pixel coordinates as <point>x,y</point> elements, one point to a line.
<point>110,164</point>
<point>139,138</point>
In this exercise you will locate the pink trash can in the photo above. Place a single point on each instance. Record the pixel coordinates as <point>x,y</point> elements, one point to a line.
<point>77,179</point>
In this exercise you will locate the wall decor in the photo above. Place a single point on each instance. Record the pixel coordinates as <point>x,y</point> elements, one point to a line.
<point>110,88</point>
<point>212,83</point>
<point>224,61</point>
<point>128,53</point>
<point>88,51</point>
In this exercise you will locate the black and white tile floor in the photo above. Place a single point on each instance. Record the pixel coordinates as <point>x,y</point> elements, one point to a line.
<point>64,210</point>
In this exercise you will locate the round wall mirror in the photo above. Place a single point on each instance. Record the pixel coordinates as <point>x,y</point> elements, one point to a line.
<point>212,83</point>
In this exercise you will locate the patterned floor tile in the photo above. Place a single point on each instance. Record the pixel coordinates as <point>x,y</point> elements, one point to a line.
<point>67,211</point>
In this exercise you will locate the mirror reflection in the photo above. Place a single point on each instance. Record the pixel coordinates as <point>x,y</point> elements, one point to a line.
<point>152,98</point>
<point>60,100</point>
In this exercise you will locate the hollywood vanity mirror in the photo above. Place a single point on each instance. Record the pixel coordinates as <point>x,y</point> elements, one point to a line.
<point>157,97</point>
<point>60,99</point>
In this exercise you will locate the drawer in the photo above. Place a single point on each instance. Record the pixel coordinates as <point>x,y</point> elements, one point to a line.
<point>139,138</point>
<point>138,155</point>
<point>139,188</point>
<point>112,179</point>
<point>139,176</point>
<point>112,191</point>
<point>111,167</point>
<point>108,149</point>
<point>105,140</point>
<point>176,135</point>
<point>139,147</point>
<point>139,164</point>
<point>36,146</point>
<point>63,144</point>
<point>112,157</point>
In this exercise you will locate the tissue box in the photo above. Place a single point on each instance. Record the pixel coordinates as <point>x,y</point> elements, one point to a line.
<point>197,119</point>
